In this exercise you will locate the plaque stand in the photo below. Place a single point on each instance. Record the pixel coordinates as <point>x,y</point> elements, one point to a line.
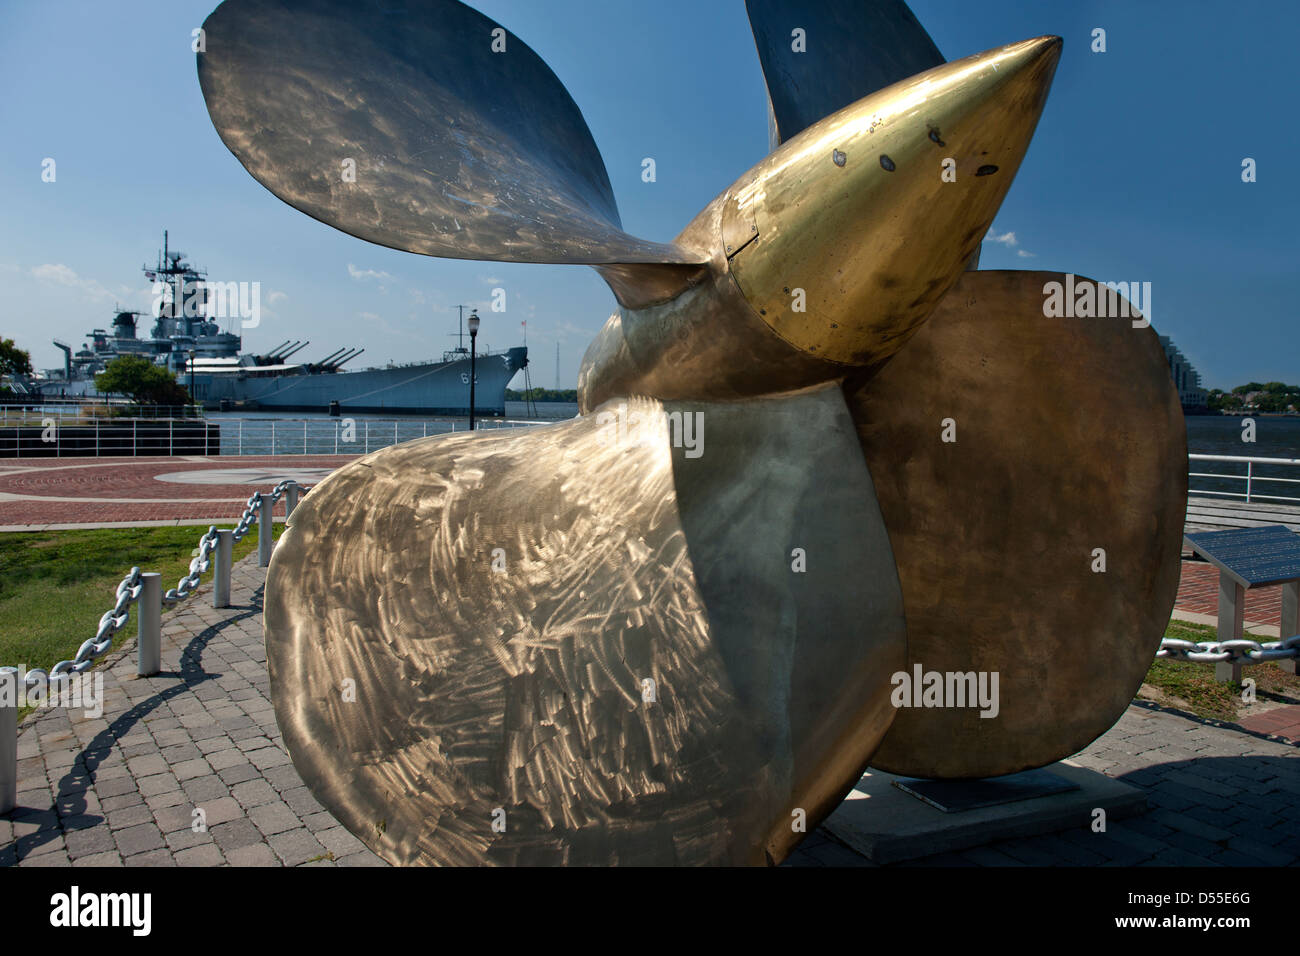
<point>1251,558</point>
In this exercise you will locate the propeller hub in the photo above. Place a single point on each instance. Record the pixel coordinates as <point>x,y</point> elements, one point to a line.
<point>845,238</point>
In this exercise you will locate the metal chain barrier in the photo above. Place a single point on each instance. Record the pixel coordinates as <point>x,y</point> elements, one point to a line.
<point>112,621</point>
<point>1235,652</point>
<point>128,593</point>
<point>249,516</point>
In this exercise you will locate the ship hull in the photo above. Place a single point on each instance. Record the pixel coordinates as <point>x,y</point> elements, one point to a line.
<point>440,388</point>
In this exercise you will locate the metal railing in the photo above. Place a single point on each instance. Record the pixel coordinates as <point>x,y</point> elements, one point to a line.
<point>1252,476</point>
<point>145,589</point>
<point>116,437</point>
<point>229,437</point>
<point>33,411</point>
<point>335,436</point>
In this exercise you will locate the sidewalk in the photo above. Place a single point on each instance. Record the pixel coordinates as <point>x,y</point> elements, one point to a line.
<point>124,789</point>
<point>201,735</point>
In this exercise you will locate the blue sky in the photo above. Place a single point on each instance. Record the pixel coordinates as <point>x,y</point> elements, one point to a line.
<point>1134,173</point>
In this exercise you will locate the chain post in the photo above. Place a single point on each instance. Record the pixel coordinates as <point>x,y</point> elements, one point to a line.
<point>222,564</point>
<point>8,738</point>
<point>291,499</point>
<point>149,619</point>
<point>264,531</point>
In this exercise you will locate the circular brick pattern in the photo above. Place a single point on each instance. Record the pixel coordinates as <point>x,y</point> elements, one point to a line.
<point>41,491</point>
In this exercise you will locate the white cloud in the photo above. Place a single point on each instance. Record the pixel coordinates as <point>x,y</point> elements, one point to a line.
<point>60,274</point>
<point>490,280</point>
<point>1009,240</point>
<point>363,275</point>
<point>276,296</point>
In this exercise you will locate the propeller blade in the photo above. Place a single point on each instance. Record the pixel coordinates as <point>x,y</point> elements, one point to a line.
<point>850,48</point>
<point>1069,437</point>
<point>415,124</point>
<point>595,639</point>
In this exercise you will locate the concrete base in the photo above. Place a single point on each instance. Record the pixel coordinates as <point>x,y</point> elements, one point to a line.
<point>960,796</point>
<point>886,824</point>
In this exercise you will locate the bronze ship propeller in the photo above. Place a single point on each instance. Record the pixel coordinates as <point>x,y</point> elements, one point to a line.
<point>666,632</point>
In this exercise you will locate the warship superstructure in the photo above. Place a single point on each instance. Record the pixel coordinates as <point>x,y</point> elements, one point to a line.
<point>187,340</point>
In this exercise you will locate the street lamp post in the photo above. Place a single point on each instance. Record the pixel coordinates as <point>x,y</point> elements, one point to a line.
<point>192,399</point>
<point>472,322</point>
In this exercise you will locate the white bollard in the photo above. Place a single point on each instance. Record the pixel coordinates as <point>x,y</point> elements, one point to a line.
<point>149,619</point>
<point>264,531</point>
<point>223,556</point>
<point>9,738</point>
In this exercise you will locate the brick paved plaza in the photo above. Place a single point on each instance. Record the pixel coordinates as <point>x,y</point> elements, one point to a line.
<point>123,789</point>
<point>38,493</point>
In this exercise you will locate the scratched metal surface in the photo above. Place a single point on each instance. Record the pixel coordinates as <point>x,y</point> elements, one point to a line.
<point>625,560</point>
<point>1069,437</point>
<point>460,152</point>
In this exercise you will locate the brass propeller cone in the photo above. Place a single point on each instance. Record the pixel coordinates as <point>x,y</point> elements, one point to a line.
<point>865,220</point>
<point>830,252</point>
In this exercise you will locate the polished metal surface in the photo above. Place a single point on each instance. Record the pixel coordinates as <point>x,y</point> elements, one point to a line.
<point>817,267</point>
<point>509,685</point>
<point>846,51</point>
<point>1069,437</point>
<point>624,640</point>
<point>459,151</point>
<point>856,213</point>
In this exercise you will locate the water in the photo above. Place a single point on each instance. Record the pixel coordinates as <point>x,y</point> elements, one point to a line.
<point>319,433</point>
<point>1275,437</point>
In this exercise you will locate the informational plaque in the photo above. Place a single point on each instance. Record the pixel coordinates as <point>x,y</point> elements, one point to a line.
<point>1253,557</point>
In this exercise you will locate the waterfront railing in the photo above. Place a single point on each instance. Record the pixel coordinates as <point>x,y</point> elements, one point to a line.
<point>121,437</point>
<point>1248,478</point>
<point>35,411</point>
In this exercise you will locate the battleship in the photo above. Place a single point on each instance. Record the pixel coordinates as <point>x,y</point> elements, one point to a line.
<point>210,362</point>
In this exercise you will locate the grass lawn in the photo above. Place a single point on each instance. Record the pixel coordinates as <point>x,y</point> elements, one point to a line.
<point>1192,686</point>
<point>55,585</point>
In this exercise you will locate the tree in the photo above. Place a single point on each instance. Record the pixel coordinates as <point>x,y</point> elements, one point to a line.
<point>13,360</point>
<point>141,381</point>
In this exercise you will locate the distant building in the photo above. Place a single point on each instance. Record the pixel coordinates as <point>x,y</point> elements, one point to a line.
<point>1186,379</point>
